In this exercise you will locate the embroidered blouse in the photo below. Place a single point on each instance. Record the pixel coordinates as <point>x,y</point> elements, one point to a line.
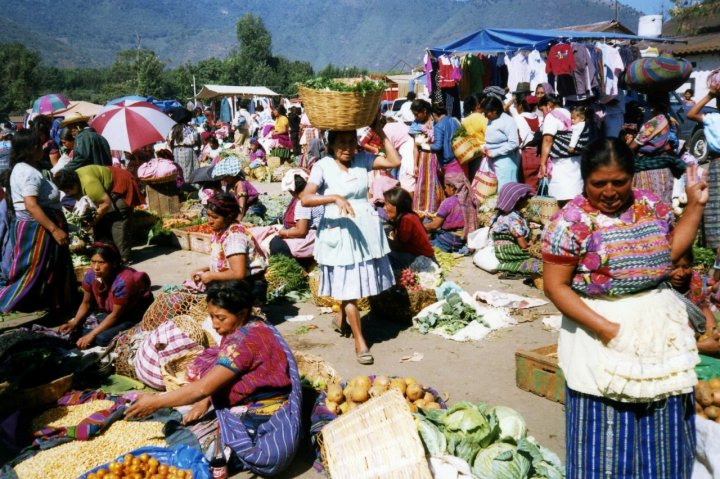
<point>612,255</point>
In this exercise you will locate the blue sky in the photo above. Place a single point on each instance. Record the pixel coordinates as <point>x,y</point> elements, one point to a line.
<point>649,6</point>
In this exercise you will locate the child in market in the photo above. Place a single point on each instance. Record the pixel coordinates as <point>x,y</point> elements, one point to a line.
<point>578,117</point>
<point>510,232</point>
<point>256,155</point>
<point>408,238</point>
<point>455,218</point>
<point>700,295</point>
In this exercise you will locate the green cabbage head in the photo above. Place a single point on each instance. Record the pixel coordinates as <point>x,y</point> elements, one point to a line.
<point>512,424</point>
<point>500,461</point>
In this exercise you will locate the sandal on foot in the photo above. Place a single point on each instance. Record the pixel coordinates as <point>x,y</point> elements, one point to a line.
<point>364,357</point>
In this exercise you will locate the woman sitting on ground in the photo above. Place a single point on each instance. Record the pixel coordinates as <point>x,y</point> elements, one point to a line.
<point>251,380</point>
<point>408,238</point>
<point>296,238</point>
<point>456,217</point>
<point>691,286</point>
<point>234,253</point>
<point>231,176</point>
<point>211,151</point>
<point>510,232</point>
<point>115,299</point>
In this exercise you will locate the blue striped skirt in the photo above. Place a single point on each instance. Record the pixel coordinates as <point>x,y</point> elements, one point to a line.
<point>609,439</point>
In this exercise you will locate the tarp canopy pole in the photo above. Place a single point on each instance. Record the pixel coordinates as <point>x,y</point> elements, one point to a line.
<point>499,40</point>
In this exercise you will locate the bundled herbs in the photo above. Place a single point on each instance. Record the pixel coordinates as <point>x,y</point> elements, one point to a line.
<point>494,442</point>
<point>285,276</point>
<point>363,87</point>
<point>454,315</point>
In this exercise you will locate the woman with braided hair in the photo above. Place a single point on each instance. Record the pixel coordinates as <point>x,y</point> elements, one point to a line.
<point>234,253</point>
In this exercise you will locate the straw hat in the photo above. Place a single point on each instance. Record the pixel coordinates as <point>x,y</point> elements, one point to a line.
<point>74,117</point>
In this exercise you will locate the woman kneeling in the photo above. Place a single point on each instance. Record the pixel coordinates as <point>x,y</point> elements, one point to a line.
<point>248,387</point>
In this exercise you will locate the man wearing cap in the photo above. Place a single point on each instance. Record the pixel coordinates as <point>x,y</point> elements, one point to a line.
<point>90,148</point>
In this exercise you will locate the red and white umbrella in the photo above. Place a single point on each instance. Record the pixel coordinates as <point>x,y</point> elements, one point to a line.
<point>129,125</point>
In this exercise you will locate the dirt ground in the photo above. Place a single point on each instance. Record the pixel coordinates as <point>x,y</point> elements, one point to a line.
<point>472,371</point>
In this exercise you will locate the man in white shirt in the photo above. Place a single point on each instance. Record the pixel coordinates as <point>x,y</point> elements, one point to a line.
<point>405,114</point>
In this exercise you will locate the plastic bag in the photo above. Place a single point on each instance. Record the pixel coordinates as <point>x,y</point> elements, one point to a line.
<point>485,259</point>
<point>182,457</point>
<point>479,238</point>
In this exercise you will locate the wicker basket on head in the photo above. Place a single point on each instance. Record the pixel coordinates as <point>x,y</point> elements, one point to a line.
<point>315,368</point>
<point>376,439</point>
<point>327,301</point>
<point>173,371</point>
<point>335,110</point>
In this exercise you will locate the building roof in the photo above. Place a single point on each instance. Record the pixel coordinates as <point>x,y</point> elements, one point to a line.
<point>214,91</point>
<point>612,26</point>
<point>707,43</point>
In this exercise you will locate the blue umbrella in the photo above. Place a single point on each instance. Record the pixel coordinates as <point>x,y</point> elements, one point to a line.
<point>127,98</point>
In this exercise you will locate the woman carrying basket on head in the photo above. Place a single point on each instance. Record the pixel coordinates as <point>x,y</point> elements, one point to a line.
<point>350,247</point>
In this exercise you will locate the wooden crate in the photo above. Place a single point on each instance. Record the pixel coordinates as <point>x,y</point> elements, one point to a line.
<point>163,198</point>
<point>183,238</point>
<point>200,242</point>
<point>537,371</point>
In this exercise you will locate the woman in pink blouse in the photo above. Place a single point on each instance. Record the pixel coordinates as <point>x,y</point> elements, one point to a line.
<point>625,346</point>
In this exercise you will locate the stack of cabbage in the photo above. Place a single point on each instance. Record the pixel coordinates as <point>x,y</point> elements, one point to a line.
<point>494,442</point>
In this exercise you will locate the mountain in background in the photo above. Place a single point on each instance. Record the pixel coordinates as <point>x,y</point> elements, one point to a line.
<point>374,34</point>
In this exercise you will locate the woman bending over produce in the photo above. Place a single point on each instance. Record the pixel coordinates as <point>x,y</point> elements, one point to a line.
<point>456,217</point>
<point>351,247</point>
<point>625,346</point>
<point>234,253</point>
<point>251,380</point>
<point>408,238</point>
<point>115,299</point>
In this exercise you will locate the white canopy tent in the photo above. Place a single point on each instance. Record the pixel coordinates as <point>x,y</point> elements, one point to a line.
<point>211,92</point>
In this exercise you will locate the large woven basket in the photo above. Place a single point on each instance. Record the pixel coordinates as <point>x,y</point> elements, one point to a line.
<point>173,371</point>
<point>38,396</point>
<point>327,301</point>
<point>315,368</point>
<point>378,439</point>
<point>335,110</point>
<point>193,330</point>
<point>80,272</point>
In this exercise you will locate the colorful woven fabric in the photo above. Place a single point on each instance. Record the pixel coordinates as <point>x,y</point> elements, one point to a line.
<point>711,215</point>
<point>276,440</point>
<point>659,181</point>
<point>283,153</point>
<point>605,438</point>
<point>428,189</point>
<point>512,258</point>
<point>614,255</point>
<point>676,165</point>
<point>660,74</point>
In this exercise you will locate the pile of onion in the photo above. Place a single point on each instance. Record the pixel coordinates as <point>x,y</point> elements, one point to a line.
<point>361,388</point>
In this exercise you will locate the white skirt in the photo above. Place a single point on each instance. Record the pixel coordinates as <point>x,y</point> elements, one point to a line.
<point>565,180</point>
<point>356,281</point>
<point>652,357</point>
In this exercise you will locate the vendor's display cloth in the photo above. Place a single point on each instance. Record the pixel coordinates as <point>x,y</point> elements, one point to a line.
<point>500,299</point>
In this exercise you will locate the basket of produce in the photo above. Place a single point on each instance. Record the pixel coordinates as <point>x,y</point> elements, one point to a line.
<point>327,301</point>
<point>318,372</point>
<point>179,462</point>
<point>276,174</point>
<point>492,441</point>
<point>377,439</point>
<point>173,371</point>
<point>38,396</point>
<point>333,105</point>
<point>284,275</point>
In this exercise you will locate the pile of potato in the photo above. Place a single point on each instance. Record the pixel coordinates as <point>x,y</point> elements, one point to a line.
<point>361,388</point>
<point>707,399</point>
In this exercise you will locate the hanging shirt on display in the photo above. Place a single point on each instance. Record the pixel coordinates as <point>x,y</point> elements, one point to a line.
<point>447,73</point>
<point>518,70</point>
<point>583,73</point>
<point>560,60</point>
<point>537,69</point>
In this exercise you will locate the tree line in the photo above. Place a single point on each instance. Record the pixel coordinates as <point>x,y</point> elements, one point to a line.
<point>141,72</point>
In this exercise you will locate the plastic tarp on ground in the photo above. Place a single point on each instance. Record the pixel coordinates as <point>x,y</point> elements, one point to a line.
<point>495,40</point>
<point>213,91</point>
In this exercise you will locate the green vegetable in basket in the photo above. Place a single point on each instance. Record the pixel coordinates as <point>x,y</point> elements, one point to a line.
<point>432,437</point>
<point>284,275</point>
<point>363,87</point>
<point>468,429</point>
<point>500,461</point>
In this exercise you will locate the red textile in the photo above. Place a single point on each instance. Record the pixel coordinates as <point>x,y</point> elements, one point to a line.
<point>560,60</point>
<point>126,186</point>
<point>412,237</point>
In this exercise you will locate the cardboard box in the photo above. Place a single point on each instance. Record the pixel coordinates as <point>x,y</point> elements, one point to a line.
<point>537,371</point>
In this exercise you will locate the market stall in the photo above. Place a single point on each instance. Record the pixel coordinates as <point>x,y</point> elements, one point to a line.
<point>213,92</point>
